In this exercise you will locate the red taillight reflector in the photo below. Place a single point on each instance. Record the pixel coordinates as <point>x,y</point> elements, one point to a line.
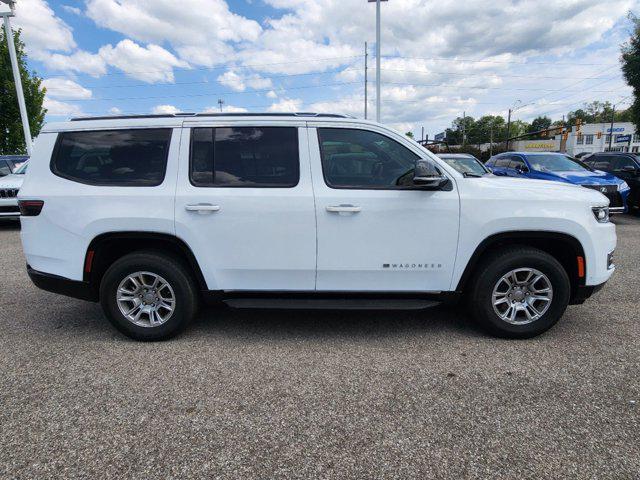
<point>88,262</point>
<point>30,208</point>
<point>580,267</point>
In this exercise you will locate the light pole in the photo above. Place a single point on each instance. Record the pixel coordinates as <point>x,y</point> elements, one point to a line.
<point>511,110</point>
<point>377,56</point>
<point>7,11</point>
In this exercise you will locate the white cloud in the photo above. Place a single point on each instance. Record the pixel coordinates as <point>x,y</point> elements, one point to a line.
<point>286,105</point>
<point>70,9</point>
<point>42,31</point>
<point>239,82</point>
<point>225,109</point>
<point>151,64</point>
<point>272,94</point>
<point>115,111</point>
<point>56,108</point>
<point>165,109</point>
<point>190,26</point>
<point>65,89</point>
<point>79,61</point>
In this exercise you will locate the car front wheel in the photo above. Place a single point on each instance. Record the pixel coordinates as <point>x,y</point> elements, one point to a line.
<point>519,292</point>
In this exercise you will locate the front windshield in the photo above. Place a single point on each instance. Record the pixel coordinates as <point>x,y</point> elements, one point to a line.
<point>466,165</point>
<point>22,169</point>
<point>556,163</point>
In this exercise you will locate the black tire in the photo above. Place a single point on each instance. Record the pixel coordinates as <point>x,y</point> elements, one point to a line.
<point>492,269</point>
<point>171,270</point>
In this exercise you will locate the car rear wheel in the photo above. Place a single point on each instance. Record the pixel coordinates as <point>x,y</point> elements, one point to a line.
<point>148,296</point>
<point>519,292</point>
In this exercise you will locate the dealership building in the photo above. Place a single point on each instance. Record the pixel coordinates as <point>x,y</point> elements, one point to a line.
<point>601,137</point>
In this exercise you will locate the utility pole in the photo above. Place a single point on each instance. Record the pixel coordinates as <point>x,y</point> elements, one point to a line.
<point>491,140</point>
<point>613,116</point>
<point>508,128</point>
<point>220,103</point>
<point>464,128</point>
<point>7,11</point>
<point>422,134</point>
<point>377,57</point>
<point>366,55</point>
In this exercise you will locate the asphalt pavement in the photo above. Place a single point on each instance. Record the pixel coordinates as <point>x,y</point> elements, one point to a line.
<point>341,395</point>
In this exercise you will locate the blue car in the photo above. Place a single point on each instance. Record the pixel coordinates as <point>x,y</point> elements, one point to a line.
<point>561,168</point>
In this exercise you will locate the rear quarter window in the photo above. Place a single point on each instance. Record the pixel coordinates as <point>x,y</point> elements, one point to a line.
<point>127,158</point>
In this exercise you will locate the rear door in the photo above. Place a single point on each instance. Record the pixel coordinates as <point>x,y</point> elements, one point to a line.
<point>244,204</point>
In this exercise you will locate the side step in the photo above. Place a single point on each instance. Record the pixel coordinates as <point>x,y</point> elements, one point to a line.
<point>332,303</point>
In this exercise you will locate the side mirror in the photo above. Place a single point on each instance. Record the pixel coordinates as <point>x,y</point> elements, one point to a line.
<point>522,169</point>
<point>427,176</point>
<point>629,169</point>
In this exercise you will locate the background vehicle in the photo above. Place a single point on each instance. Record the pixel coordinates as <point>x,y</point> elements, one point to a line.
<point>625,166</point>
<point>10,163</point>
<point>9,188</point>
<point>465,163</point>
<point>581,155</point>
<point>152,215</point>
<point>561,168</point>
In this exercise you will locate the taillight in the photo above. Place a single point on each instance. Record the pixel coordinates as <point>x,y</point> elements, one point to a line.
<point>30,208</point>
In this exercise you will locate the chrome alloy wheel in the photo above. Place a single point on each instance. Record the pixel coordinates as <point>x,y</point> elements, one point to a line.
<point>522,296</point>
<point>146,299</point>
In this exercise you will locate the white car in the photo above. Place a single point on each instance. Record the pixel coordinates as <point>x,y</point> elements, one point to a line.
<point>153,215</point>
<point>9,187</point>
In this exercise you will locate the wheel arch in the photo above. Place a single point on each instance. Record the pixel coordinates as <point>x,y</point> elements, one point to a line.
<point>563,247</point>
<point>105,248</point>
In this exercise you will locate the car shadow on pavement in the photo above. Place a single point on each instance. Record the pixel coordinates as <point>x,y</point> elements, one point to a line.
<point>318,324</point>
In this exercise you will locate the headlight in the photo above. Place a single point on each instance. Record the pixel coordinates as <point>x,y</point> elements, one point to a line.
<point>601,214</point>
<point>623,186</point>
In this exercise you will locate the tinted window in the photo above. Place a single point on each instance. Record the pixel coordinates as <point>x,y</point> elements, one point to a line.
<point>245,157</point>
<point>598,162</point>
<point>113,157</point>
<point>465,164</point>
<point>503,162</point>
<point>621,161</point>
<point>555,163</point>
<point>353,158</point>
<point>517,162</point>
<point>4,168</point>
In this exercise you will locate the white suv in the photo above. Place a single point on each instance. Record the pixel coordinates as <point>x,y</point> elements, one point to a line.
<point>153,215</point>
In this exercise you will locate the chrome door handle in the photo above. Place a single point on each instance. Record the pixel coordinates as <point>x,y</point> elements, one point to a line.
<point>202,208</point>
<point>343,208</point>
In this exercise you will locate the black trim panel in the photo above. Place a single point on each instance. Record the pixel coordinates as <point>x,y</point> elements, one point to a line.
<point>62,285</point>
<point>583,292</point>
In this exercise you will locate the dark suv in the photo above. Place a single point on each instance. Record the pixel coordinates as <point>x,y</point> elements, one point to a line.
<point>625,166</point>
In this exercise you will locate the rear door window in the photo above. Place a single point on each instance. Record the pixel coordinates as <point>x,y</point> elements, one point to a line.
<point>127,158</point>
<point>4,168</point>
<point>244,157</point>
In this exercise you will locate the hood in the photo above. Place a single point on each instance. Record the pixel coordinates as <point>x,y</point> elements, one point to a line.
<point>586,177</point>
<point>11,181</point>
<point>525,189</point>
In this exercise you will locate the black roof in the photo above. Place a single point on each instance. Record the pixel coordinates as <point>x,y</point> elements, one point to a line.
<point>234,114</point>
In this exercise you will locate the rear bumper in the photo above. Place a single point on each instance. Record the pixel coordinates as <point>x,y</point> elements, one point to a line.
<point>62,285</point>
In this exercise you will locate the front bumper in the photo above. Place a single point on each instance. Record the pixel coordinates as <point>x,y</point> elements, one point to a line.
<point>62,285</point>
<point>583,292</point>
<point>9,208</point>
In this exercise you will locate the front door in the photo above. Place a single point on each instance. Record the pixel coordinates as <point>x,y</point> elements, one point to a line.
<point>244,204</point>
<point>374,232</point>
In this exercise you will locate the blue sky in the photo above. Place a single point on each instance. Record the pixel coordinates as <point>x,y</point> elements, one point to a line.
<point>439,59</point>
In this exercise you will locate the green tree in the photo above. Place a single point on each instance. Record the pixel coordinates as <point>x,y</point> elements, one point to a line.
<point>11,133</point>
<point>630,60</point>
<point>409,134</point>
<point>539,123</point>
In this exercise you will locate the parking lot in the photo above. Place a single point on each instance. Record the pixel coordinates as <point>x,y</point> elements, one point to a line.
<point>271,394</point>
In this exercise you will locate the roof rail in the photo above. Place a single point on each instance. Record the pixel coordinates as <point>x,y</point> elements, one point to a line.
<point>231,114</point>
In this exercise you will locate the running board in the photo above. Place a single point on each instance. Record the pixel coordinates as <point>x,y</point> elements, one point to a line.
<point>332,303</point>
